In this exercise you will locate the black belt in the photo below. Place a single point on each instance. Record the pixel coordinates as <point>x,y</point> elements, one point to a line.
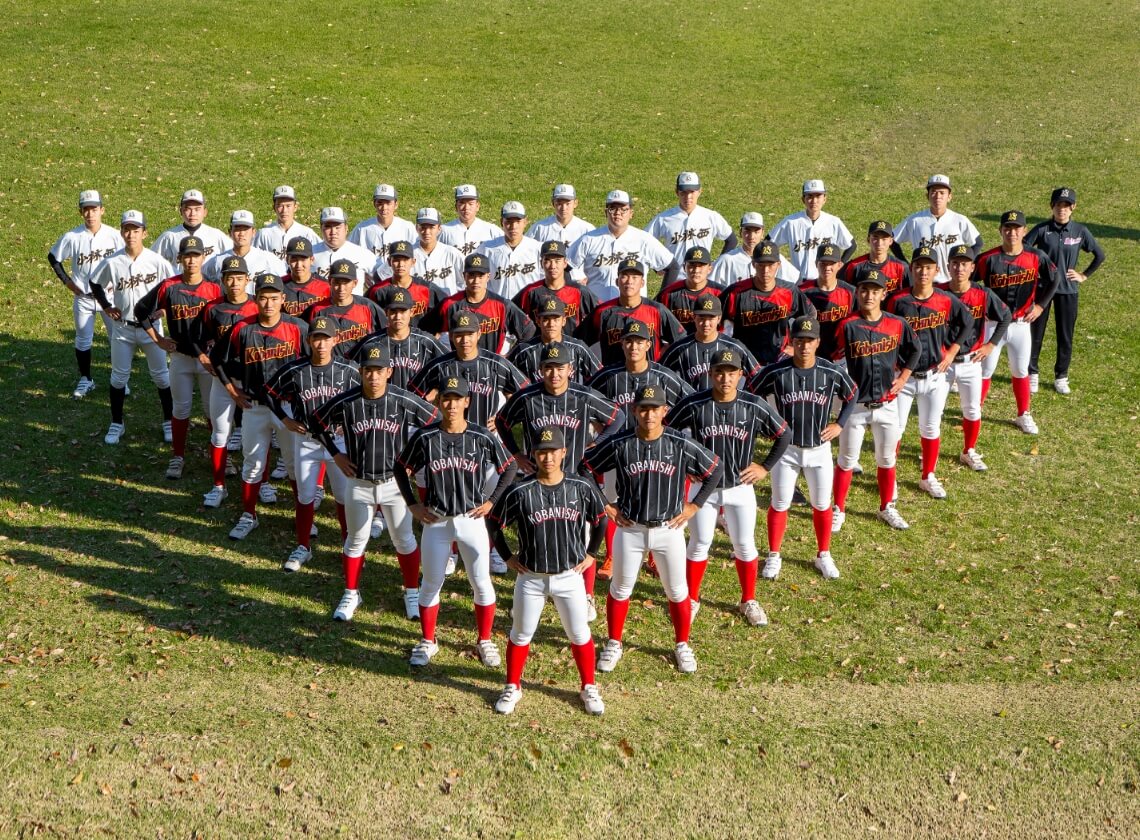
<point>924,374</point>
<point>653,523</point>
<point>138,324</point>
<point>877,404</point>
<point>965,357</point>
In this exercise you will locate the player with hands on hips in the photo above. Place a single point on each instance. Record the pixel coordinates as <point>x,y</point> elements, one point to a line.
<point>274,236</point>
<point>556,517</point>
<point>257,260</point>
<point>192,208</point>
<point>880,238</point>
<point>804,232</point>
<point>690,225</point>
<point>680,297</point>
<point>377,234</point>
<point>549,314</point>
<point>580,301</point>
<point>514,258</point>
<point>467,232</point>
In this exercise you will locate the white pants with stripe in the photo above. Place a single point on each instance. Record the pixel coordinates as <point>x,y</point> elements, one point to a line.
<point>815,464</point>
<point>884,423</point>
<point>930,393</point>
<point>360,502</point>
<point>185,372</point>
<point>1019,339</point>
<point>474,550</point>
<point>257,426</point>
<point>739,505</point>
<point>125,339</point>
<point>568,592</point>
<point>633,544</point>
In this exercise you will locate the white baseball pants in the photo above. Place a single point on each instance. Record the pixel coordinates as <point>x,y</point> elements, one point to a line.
<point>884,423</point>
<point>185,371</point>
<point>83,309</point>
<point>633,544</point>
<point>968,375</point>
<point>474,550</point>
<point>221,414</point>
<point>124,340</point>
<point>568,592</point>
<point>739,505</point>
<point>308,455</point>
<point>815,464</point>
<point>1019,339</point>
<point>257,426</point>
<point>930,394</point>
<point>360,502</point>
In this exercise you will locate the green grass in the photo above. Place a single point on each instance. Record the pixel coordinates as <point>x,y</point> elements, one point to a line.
<point>975,675</point>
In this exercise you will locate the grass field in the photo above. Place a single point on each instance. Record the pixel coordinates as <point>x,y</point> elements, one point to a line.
<point>974,676</point>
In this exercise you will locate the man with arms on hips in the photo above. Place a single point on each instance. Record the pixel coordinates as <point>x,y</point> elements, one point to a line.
<point>83,248</point>
<point>983,305</point>
<point>467,231</point>
<point>600,252</point>
<point>651,464</point>
<point>335,246</point>
<point>356,316</point>
<point>275,235</point>
<point>941,323</point>
<point>1025,281</point>
<point>691,357</point>
<point>372,423</point>
<point>1062,240</point>
<point>556,517</point>
<point>257,260</point>
<point>736,264</point>
<point>804,389</point>
<point>881,351</point>
<point>425,297</point>
<point>607,324</point>
<point>689,225</point>
<point>563,226</point>
<point>880,238</point>
<point>805,231</point>
<point>832,299</point>
<point>515,259</point>
<point>127,275</point>
<point>378,234</point>
<point>680,297</point>
<point>411,349</point>
<point>454,456</point>
<point>503,323</point>
<point>580,301</point>
<point>437,263</point>
<point>303,289</point>
<point>937,227</point>
<point>549,314</point>
<point>182,299</point>
<point>192,208</point>
<point>727,421</point>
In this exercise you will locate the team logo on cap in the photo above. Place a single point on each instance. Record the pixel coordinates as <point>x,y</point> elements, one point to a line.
<point>552,353</point>
<point>398,297</point>
<point>547,435</point>
<point>708,304</point>
<point>464,321</point>
<point>1065,193</point>
<point>726,356</point>
<point>374,353</point>
<point>298,245</point>
<point>766,250</point>
<point>805,325</point>
<point>453,383</point>
<point>232,262</point>
<point>635,327</point>
<point>873,274</point>
<point>550,305</point>
<point>551,246</point>
<point>191,242</point>
<point>828,250</point>
<point>881,226</point>
<point>476,261</point>
<point>698,254</point>
<point>648,392</point>
<point>323,324</point>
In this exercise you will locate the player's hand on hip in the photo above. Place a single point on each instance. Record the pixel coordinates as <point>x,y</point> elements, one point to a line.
<point>830,432</point>
<point>525,463</point>
<point>585,564</point>
<point>898,384</point>
<point>481,511</point>
<point>947,360</point>
<point>514,565</point>
<point>753,474</point>
<point>239,397</point>
<point>114,313</point>
<point>1075,276</point>
<point>166,343</point>
<point>295,426</point>
<point>613,513</point>
<point>424,514</point>
<point>1034,313</point>
<point>204,361</point>
<point>346,467</point>
<point>687,513</point>
<point>78,292</point>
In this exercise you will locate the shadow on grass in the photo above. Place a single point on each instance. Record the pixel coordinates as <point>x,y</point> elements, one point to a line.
<point>1100,231</point>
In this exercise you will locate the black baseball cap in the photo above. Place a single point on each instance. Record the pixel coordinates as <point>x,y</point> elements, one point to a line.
<point>1013,217</point>
<point>554,353</point>
<point>465,321</point>
<point>398,298</point>
<point>727,358</point>
<point>455,386</point>
<point>343,270</point>
<point>476,264</point>
<point>554,248</point>
<point>549,437</point>
<point>707,305</point>
<point>550,305</point>
<point>828,253</point>
<point>650,394</point>
<point>268,282</point>
<point>698,254</point>
<point>376,355</point>
<point>870,276</point>
<point>636,329</point>
<point>766,252</point>
<point>631,265</point>
<point>806,327</point>
<point>1067,194</point>
<point>961,252</point>
<point>299,246</point>
<point>923,253</point>
<point>234,265</point>
<point>323,325</point>
<point>191,245</point>
<point>401,249</point>
<point>881,226</point>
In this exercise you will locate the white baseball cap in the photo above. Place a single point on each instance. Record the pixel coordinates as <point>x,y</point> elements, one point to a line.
<point>133,217</point>
<point>564,191</point>
<point>815,185</point>
<point>427,216</point>
<point>752,219</point>
<point>466,191</point>
<point>284,192</point>
<point>617,197</point>
<point>513,210</point>
<point>938,181</point>
<point>333,214</point>
<point>90,198</point>
<point>688,181</point>
<point>241,218</point>
<point>384,191</point>
<point>193,197</point>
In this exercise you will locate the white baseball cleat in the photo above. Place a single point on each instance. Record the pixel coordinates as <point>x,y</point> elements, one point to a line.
<point>412,603</point>
<point>507,701</point>
<point>449,566</point>
<point>423,652</point>
<point>1061,385</point>
<point>838,517</point>
<point>377,527</point>
<point>933,486</point>
<point>114,434</point>
<point>267,494</point>
<point>319,497</point>
<point>313,530</point>
<point>753,613</point>
<point>826,565</point>
<point>350,601</point>
<point>231,467</point>
<point>892,517</point>
<point>214,498</point>
<point>297,558</point>
<point>234,443</point>
<point>167,432</point>
<point>694,608</point>
<point>245,524</point>
<point>1026,423</point>
<point>686,660</point>
<point>592,699</point>
<point>954,387</point>
<point>610,656</point>
<point>488,653</point>
<point>972,458</point>
<point>1034,383</point>
<point>84,387</point>
<point>772,566</point>
<point>174,468</point>
<point>279,472</point>
<point>591,609</point>
<point>857,469</point>
<point>498,564</point>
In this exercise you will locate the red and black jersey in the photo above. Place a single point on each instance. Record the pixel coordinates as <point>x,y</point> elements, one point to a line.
<point>895,270</point>
<point>301,296</point>
<point>875,350</point>
<point>1019,280</point>
<point>983,305</point>
<point>682,301</point>
<point>218,319</point>
<point>832,307</point>
<point>254,353</point>
<point>409,354</point>
<point>426,297</point>
<point>489,375</point>
<point>760,319</point>
<point>939,321</point>
<point>355,321</point>
<point>609,320</point>
<point>500,319</point>
<point>182,304</point>
<point>580,302</point>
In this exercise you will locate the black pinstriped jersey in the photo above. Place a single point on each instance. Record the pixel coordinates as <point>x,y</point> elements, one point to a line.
<point>803,396</point>
<point>488,375</point>
<point>551,521</point>
<point>375,430</point>
<point>651,473</point>
<point>730,429</point>
<point>620,385</point>
<point>300,388</point>
<point>573,411</point>
<point>689,359</point>
<point>583,363</point>
<point>455,466</point>
<point>409,354</point>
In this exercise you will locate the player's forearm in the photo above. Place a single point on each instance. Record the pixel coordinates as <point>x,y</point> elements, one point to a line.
<point>672,272</point>
<point>849,252</point>
<point>506,435</point>
<point>1098,259</point>
<point>897,250</point>
<point>62,274</point>
<point>404,482</point>
<point>776,451</point>
<point>499,539</point>
<point>100,296</point>
<point>506,479</point>
<point>845,412</point>
<point>597,532</point>
<point>710,484</point>
<point>615,426</point>
<point>730,243</point>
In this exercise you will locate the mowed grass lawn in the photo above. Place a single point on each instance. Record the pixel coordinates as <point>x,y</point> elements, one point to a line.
<point>974,676</point>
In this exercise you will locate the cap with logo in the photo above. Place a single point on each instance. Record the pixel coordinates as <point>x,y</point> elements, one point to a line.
<point>401,249</point>
<point>333,216</point>
<point>813,186</point>
<point>399,299</point>
<point>191,245</point>
<point>465,321</point>
<point>1013,217</point>
<point>513,210</point>
<point>766,252</point>
<point>323,326</point>
<point>880,227</point>
<point>938,181</point>
<point>427,216</point>
<point>384,191</point>
<point>923,253</point>
<point>805,328</point>
<point>961,252</point>
<point>752,219</point>
<point>554,353</point>
<point>299,246</point>
<point>728,358</point>
<point>342,270</point>
<point>550,437</point>
<point>267,282</point>
<point>617,197</point>
<point>828,254</point>
<point>631,265</point>
<point>476,264</point>
<point>464,191</point>
<point>651,394</point>
<point>550,306</point>
<point>241,218</point>
<point>234,264</point>
<point>870,276</point>
<point>90,198</point>
<point>564,191</point>
<point>707,305</point>
<point>284,193</point>
<point>698,254</point>
<point>1066,194</point>
<point>132,218</point>
<point>636,329</point>
<point>376,355</point>
<point>455,386</point>
<point>688,181</point>
<point>554,248</point>
<point>193,197</point>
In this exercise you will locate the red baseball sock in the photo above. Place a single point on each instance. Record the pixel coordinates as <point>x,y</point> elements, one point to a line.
<point>1021,393</point>
<point>589,577</point>
<point>694,574</point>
<point>842,482</point>
<point>428,616</point>
<point>179,427</point>
<point>249,496</point>
<point>985,390</point>
<point>930,448</point>
<point>293,484</point>
<point>218,464</point>
<point>970,431</point>
<point>322,471</point>
<point>777,525</point>
<point>616,611</point>
<point>821,519</point>
<point>516,659</point>
<point>584,659</point>
<point>484,618</point>
<point>681,614</point>
<point>746,571</point>
<point>340,517</point>
<point>304,523</point>
<point>352,567</point>
<point>611,530</point>
<point>886,478</point>
<point>410,568</point>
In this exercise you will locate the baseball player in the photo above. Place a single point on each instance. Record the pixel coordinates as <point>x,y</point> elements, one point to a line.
<point>556,518</point>
<point>253,353</point>
<point>468,232</point>
<point>880,238</point>
<point>832,299</point>
<point>680,297</point>
<point>609,319</point>
<point>1025,281</point>
<point>758,310</point>
<point>182,299</point>
<point>937,226</point>
<point>425,296</point>
<point>335,246</point>
<point>550,315</point>
<point>275,235</point>
<point>436,262</point>
<point>804,389</point>
<point>689,225</point>
<point>127,275</point>
<point>376,420</point>
<point>983,306</point>
<point>303,289</point>
<point>805,231</point>
<point>736,264</point>
<point>257,260</point>
<point>378,234</point>
<point>881,351</point>
<point>192,208</point>
<point>1061,240</point>
<point>651,464</point>
<point>515,259</point>
<point>563,226</point>
<point>83,248</point>
<point>600,252</point>
<point>580,301</point>
<point>691,357</point>
<point>454,455</point>
<point>727,421</point>
<point>410,349</point>
<point>499,318</point>
<point>941,323</point>
<point>357,317</point>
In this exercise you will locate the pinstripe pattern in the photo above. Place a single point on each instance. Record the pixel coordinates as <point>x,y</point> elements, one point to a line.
<point>804,396</point>
<point>621,386</point>
<point>689,359</point>
<point>305,387</point>
<point>375,431</point>
<point>409,355</point>
<point>526,357</point>
<point>728,429</point>
<point>573,411</point>
<point>454,466</point>
<point>551,521</point>
<point>489,376</point>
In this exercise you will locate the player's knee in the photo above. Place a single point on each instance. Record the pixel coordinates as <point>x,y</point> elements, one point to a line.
<point>355,545</point>
<point>431,583</point>
<point>404,543</point>
<point>484,592</point>
<point>745,549</point>
<point>972,412</point>
<point>621,590</point>
<point>677,592</point>
<point>780,505</point>
<point>119,380</point>
<point>579,635</point>
<point>847,462</point>
<point>885,461</point>
<point>930,431</point>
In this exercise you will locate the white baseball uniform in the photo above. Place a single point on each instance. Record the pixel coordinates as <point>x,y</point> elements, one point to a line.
<point>803,237</point>
<point>549,228</point>
<point>273,238</point>
<point>364,260</point>
<point>85,250</point>
<point>468,239</point>
<point>376,238</point>
<point>257,260</point>
<point>214,241</point>
<point>598,253</point>
<point>443,267</point>
<point>632,546</point>
<point>513,268</point>
<point>735,265</point>
<point>930,392</point>
<point>1018,340</point>
<point>941,234</point>
<point>679,231</point>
